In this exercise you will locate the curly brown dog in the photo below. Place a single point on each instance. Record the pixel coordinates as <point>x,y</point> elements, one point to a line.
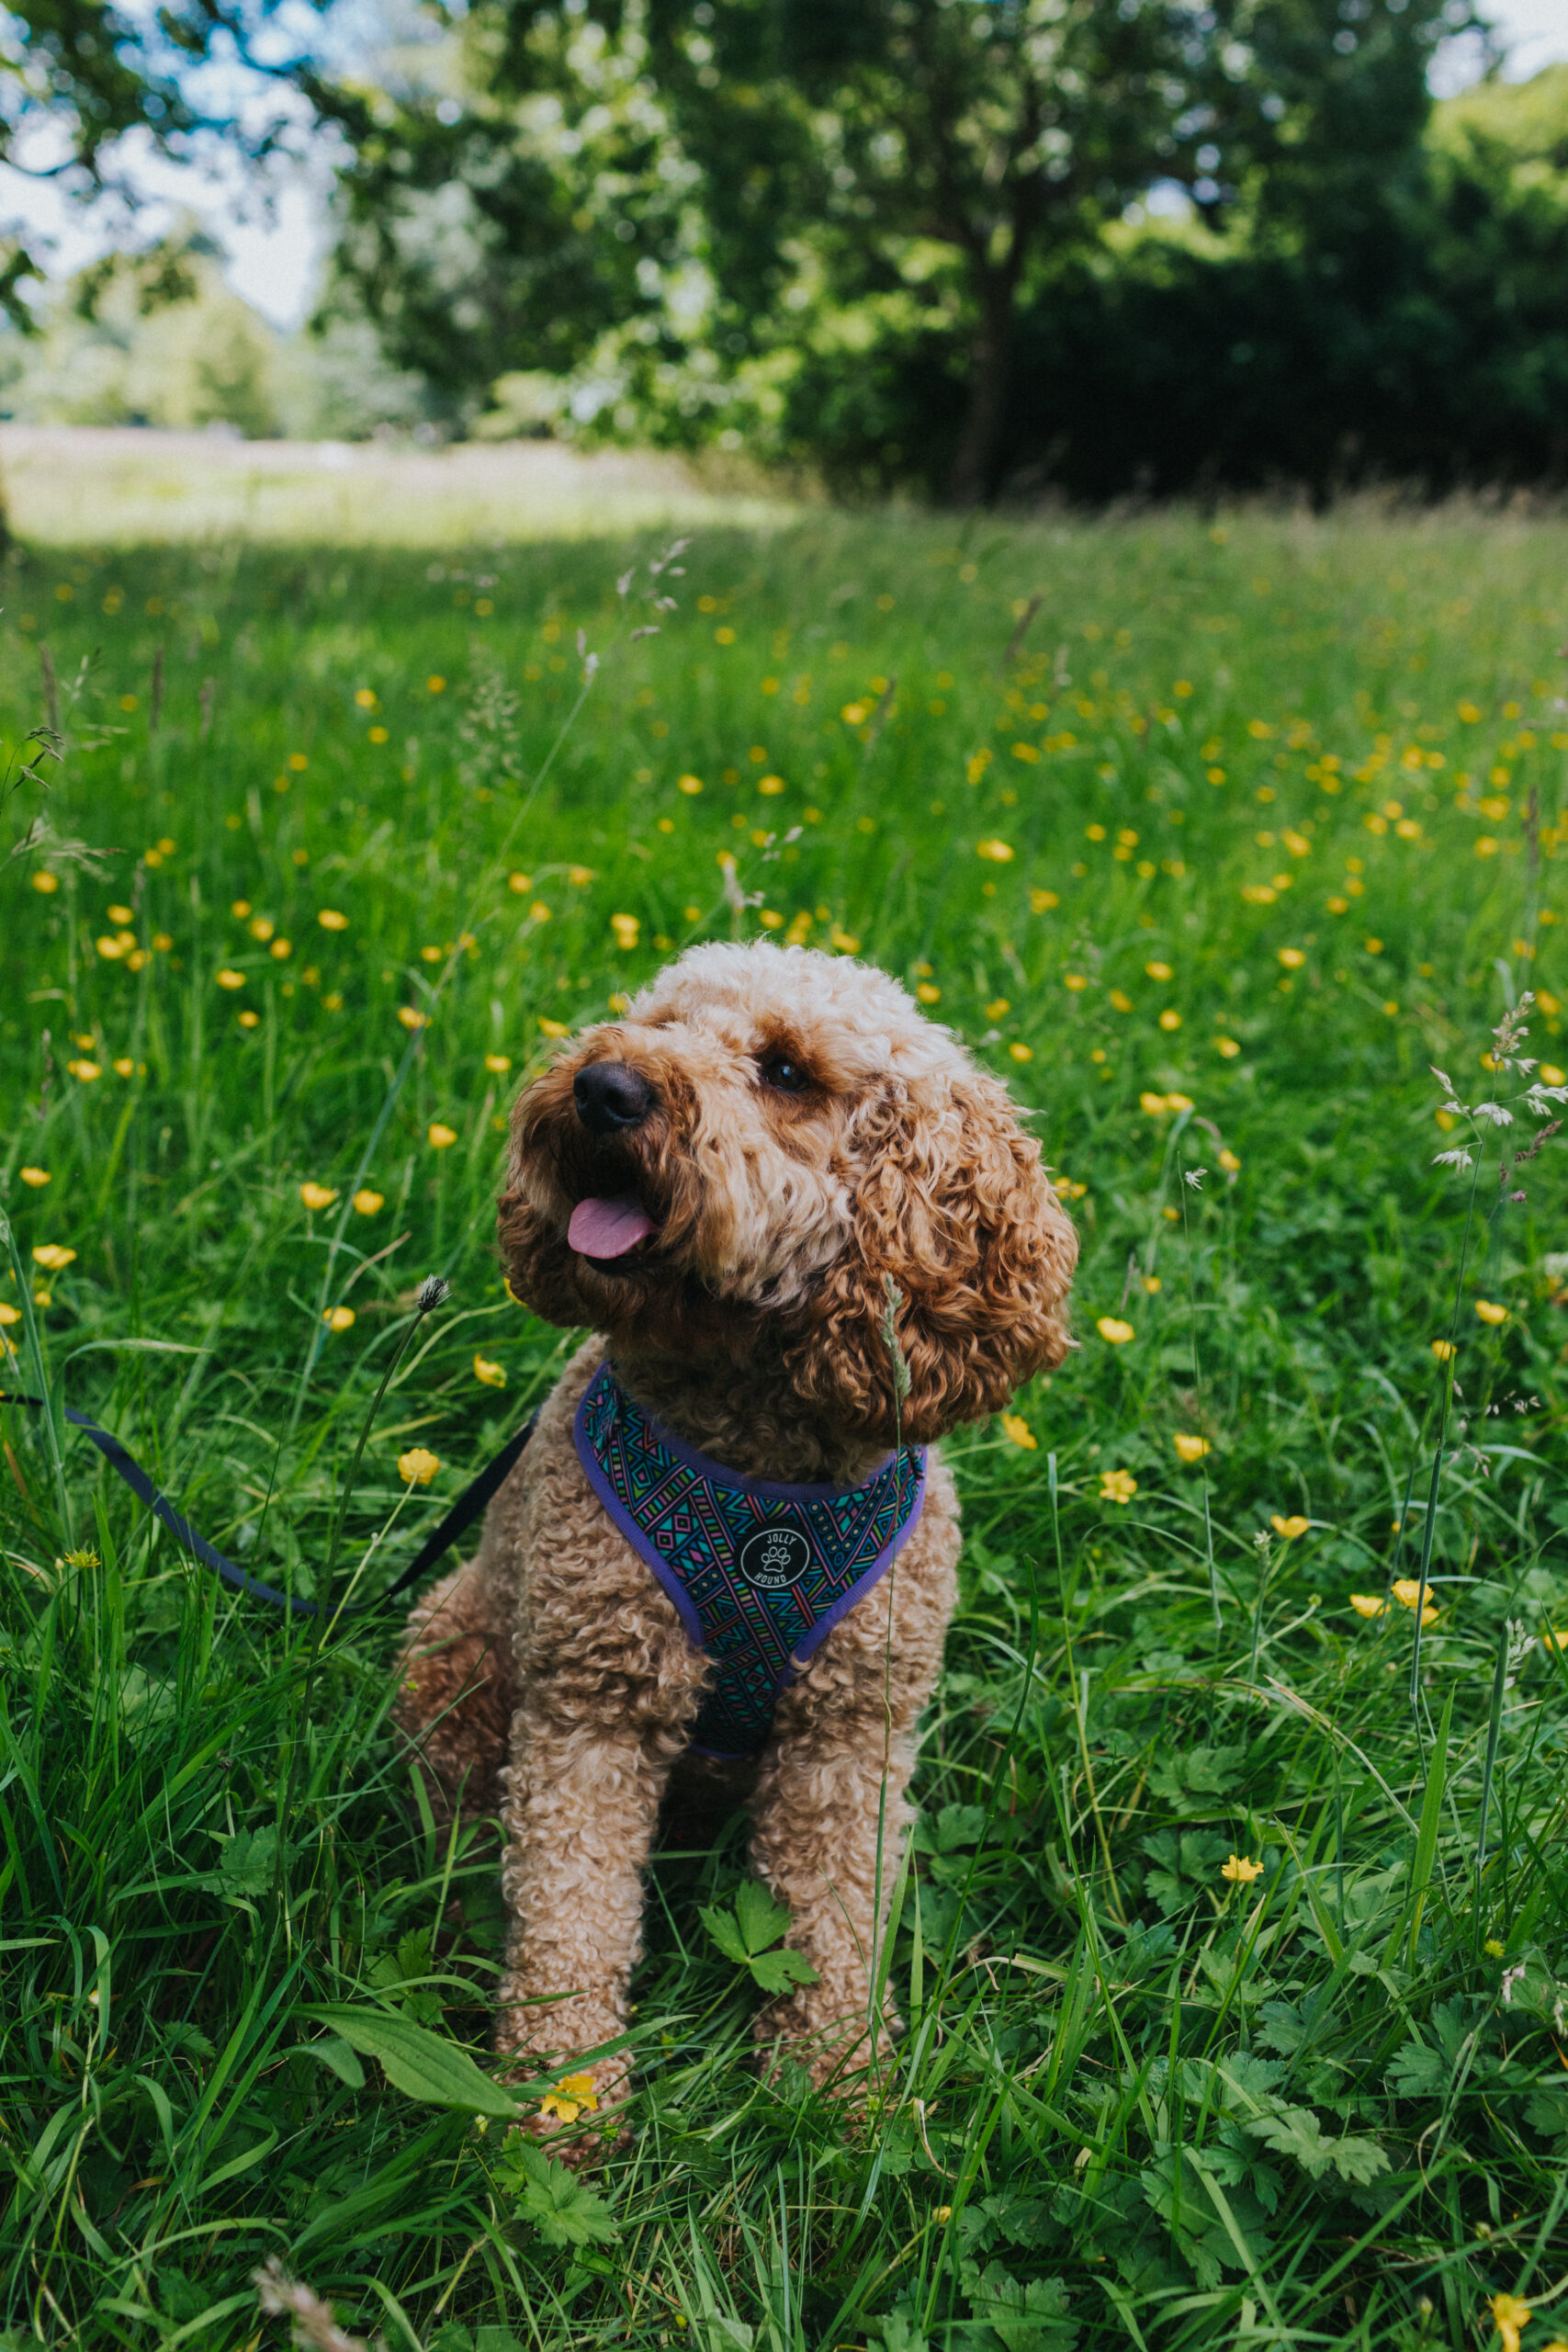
<point>727,1185</point>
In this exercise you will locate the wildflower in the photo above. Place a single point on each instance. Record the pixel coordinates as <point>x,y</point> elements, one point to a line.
<point>318,1196</point>
<point>1294,1525</point>
<point>35,1176</point>
<point>1409,1593</point>
<point>943,2213</point>
<point>928,992</point>
<point>46,882</point>
<point>262,929</point>
<point>999,1008</point>
<point>626,928</point>
<point>1042,901</point>
<point>1117,1486</point>
<point>1292,958</point>
<point>999,853</point>
<point>52,1256</point>
<point>9,1314</point>
<point>1017,1428</point>
<point>1490,1312</point>
<point>440,1137</point>
<point>573,2096</point>
<point>1179,1103</point>
<point>1190,1447</point>
<point>1075,981</point>
<point>1493,1949</point>
<point>411,1017</point>
<point>330,919</point>
<point>1171,1019</point>
<point>521,883</point>
<point>418,1465</point>
<point>1021,1053</point>
<point>435,686</point>
<point>1367,1604</point>
<point>1509,2314</point>
<point>1158,971</point>
<point>433,1292</point>
<point>339,1319</point>
<point>229,978</point>
<point>690,785</point>
<point>124,1068</point>
<point>492,1374</point>
<point>1239,1870</point>
<point>1152,1283</point>
<point>498,1064</point>
<point>250,1020</point>
<point>1154,1104</point>
<point>553,1028</point>
<point>368,1203</point>
<point>1230,1163</point>
<point>1227,1046</point>
<point>1112,1329</point>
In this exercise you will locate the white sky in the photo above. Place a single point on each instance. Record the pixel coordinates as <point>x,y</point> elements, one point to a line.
<point>274,249</point>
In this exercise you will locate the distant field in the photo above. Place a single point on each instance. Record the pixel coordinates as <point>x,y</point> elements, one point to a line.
<point>1231,1950</point>
<point>114,486</point>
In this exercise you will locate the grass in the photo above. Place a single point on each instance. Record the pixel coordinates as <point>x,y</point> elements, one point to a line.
<point>1139,2102</point>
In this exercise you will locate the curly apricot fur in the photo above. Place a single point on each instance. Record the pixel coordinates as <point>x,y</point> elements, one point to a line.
<point>550,1677</point>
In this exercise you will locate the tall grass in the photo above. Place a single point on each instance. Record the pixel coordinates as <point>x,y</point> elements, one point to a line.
<point>1228,1946</point>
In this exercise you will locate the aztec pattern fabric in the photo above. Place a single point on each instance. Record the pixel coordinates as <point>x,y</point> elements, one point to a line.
<point>759,1571</point>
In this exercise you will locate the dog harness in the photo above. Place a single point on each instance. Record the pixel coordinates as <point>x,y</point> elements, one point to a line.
<point>759,1571</point>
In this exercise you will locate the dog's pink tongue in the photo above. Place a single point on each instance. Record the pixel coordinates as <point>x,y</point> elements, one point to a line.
<point>608,1228</point>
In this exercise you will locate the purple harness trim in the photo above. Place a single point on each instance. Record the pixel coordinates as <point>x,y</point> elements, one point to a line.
<point>759,1571</point>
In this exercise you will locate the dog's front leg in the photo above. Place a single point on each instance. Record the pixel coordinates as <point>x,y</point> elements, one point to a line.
<point>830,1809</point>
<point>591,1748</point>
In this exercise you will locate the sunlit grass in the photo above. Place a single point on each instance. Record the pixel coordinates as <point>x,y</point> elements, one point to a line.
<point>1231,2006</point>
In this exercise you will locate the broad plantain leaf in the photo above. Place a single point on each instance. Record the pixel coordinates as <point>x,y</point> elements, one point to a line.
<point>422,2065</point>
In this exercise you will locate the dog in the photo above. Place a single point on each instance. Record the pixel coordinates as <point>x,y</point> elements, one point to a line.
<point>809,1238</point>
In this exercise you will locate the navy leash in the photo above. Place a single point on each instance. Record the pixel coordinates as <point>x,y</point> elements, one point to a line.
<point>463,1513</point>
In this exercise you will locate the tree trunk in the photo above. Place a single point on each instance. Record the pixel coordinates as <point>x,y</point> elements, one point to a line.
<point>976,461</point>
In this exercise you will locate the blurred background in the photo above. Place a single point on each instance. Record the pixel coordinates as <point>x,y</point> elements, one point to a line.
<point>961,250</point>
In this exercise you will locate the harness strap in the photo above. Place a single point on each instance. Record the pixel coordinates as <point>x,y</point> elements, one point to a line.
<point>463,1513</point>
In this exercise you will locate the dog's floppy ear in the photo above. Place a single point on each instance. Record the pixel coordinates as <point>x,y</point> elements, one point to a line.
<point>952,1205</point>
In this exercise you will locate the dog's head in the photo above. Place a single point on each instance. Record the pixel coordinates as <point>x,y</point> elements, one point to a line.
<point>767,1138</point>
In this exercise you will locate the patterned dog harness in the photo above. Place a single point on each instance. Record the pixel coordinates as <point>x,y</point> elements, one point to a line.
<point>761,1573</point>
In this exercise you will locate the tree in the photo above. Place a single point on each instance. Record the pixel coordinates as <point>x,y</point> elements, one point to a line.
<point>540,177</point>
<point>77,76</point>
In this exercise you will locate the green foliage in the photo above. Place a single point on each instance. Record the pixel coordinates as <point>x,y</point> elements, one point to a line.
<point>744,1934</point>
<point>248,1977</point>
<point>562,2209</point>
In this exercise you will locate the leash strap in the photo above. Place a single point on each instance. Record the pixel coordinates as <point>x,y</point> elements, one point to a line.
<point>463,1513</point>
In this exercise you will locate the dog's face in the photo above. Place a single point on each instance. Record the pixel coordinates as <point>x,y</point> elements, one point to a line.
<point>767,1138</point>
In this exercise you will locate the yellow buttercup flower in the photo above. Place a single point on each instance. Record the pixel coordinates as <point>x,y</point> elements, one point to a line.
<point>1190,1448</point>
<point>229,979</point>
<point>1367,1604</point>
<point>418,1465</point>
<point>492,1374</point>
<point>1443,1350</point>
<point>999,853</point>
<point>1509,2314</point>
<point>573,2096</point>
<point>1294,1525</point>
<point>318,1196</point>
<point>498,1064</point>
<point>1020,1053</point>
<point>440,1137</point>
<point>86,1071</point>
<point>1239,1870</point>
<point>339,1319</point>
<point>553,1028</point>
<point>1017,1428</point>
<point>367,1204</point>
<point>9,1314</point>
<point>330,919</point>
<point>34,1176</point>
<point>1490,1312</point>
<point>1408,1592</point>
<point>411,1017</point>
<point>52,1256</point>
<point>1112,1329</point>
<point>1117,1486</point>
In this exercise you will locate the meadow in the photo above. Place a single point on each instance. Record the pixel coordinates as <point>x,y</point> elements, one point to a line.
<point>1228,1944</point>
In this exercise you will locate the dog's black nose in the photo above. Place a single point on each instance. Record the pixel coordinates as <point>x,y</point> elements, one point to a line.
<point>611,1096</point>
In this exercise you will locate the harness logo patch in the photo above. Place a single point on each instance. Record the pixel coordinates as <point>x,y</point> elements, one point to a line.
<point>774,1558</point>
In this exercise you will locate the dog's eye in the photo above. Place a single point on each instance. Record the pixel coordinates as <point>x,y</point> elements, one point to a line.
<point>787,1076</point>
